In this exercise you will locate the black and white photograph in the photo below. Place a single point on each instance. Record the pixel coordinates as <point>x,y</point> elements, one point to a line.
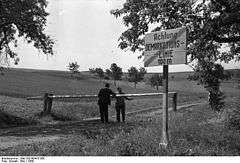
<point>119,78</point>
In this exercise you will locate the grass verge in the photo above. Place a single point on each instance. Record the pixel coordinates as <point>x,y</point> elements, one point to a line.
<point>194,131</point>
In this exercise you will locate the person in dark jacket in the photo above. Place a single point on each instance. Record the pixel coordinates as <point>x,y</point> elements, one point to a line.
<point>120,105</point>
<point>104,99</point>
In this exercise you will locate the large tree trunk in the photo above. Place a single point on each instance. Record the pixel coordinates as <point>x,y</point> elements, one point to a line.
<point>135,85</point>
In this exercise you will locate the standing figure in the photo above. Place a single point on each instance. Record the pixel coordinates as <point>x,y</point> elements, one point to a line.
<point>104,99</point>
<point>120,105</point>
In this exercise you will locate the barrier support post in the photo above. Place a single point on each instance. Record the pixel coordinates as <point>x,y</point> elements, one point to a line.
<point>174,103</point>
<point>47,104</point>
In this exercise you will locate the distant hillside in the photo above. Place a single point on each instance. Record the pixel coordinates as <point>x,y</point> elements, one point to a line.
<point>29,82</point>
<point>175,75</point>
<point>184,75</point>
<point>24,83</point>
<point>235,72</point>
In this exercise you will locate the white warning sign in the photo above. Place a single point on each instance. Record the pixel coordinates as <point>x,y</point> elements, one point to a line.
<point>165,47</point>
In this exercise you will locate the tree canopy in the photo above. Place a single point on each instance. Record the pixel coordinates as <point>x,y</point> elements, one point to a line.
<point>209,22</point>
<point>156,80</point>
<point>73,67</point>
<point>27,19</point>
<point>116,72</point>
<point>99,71</point>
<point>108,73</point>
<point>135,75</point>
<point>213,28</point>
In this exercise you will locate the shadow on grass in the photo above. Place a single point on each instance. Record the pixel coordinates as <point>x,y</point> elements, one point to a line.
<point>8,120</point>
<point>53,117</point>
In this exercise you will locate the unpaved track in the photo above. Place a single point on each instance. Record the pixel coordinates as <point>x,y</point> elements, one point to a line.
<point>50,132</point>
<point>61,129</point>
<point>42,133</point>
<point>11,141</point>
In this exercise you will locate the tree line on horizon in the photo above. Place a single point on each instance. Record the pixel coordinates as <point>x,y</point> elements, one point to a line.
<point>115,73</point>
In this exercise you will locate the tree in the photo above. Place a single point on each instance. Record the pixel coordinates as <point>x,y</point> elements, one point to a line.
<point>92,70</point>
<point>116,72</point>
<point>211,80</point>
<point>156,80</point>
<point>26,19</point>
<point>211,25</point>
<point>135,75</point>
<point>108,73</point>
<point>99,72</point>
<point>73,67</point>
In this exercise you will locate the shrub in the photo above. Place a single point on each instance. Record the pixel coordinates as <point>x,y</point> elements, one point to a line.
<point>233,118</point>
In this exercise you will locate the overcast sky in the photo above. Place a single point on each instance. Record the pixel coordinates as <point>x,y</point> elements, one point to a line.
<point>87,33</point>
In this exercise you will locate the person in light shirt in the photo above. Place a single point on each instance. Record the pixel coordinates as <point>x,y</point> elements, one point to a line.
<point>120,105</point>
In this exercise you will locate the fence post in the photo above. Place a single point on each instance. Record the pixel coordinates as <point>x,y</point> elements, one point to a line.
<point>174,104</point>
<point>49,107</point>
<point>47,104</point>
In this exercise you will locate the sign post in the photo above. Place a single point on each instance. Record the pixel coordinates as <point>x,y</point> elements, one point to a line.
<point>165,48</point>
<point>165,137</point>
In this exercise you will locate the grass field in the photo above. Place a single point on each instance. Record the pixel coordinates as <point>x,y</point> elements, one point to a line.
<point>16,84</point>
<point>24,83</point>
<point>193,131</point>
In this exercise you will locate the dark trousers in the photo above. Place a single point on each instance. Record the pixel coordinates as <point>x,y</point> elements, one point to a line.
<point>104,112</point>
<point>120,110</point>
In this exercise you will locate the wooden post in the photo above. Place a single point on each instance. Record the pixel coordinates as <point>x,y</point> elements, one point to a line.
<point>49,107</point>
<point>47,104</point>
<point>165,137</point>
<point>174,104</point>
